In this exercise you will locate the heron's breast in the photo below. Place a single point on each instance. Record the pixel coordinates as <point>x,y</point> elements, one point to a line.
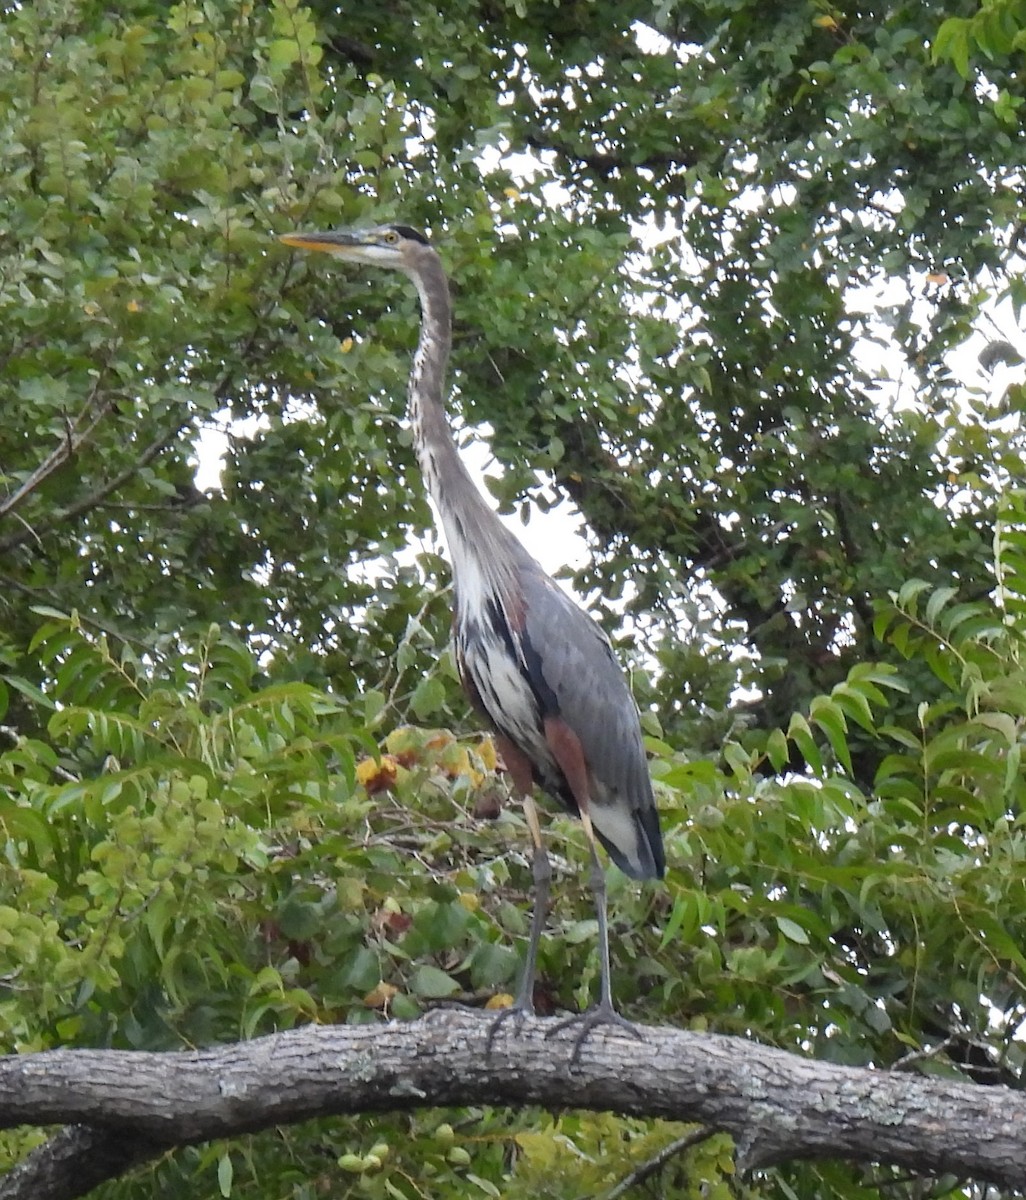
<point>503,689</point>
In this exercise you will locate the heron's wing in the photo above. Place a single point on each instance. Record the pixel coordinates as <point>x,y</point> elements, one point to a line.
<point>576,677</point>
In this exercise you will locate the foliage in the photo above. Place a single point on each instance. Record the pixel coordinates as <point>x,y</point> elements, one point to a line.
<point>714,307</point>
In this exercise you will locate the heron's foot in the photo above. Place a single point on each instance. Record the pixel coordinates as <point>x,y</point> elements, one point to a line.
<point>519,1009</point>
<point>602,1014</point>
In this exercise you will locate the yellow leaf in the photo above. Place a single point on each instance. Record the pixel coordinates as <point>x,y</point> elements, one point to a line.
<point>486,753</point>
<point>470,901</point>
<point>379,996</point>
<point>346,345</point>
<point>366,769</point>
<point>377,776</point>
<point>134,306</point>
<point>458,763</point>
<point>540,1147</point>
<point>500,1000</point>
<point>404,739</point>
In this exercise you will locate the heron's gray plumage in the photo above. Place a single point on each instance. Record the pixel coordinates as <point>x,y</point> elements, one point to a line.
<point>536,665</point>
<point>582,679</point>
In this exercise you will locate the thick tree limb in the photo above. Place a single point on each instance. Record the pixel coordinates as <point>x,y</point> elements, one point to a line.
<point>78,1159</point>
<point>776,1105</point>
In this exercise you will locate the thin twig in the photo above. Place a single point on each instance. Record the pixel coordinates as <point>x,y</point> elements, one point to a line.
<point>65,776</point>
<point>915,1056</point>
<point>658,1161</point>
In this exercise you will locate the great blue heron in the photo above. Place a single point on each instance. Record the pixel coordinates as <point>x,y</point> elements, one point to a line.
<point>535,665</point>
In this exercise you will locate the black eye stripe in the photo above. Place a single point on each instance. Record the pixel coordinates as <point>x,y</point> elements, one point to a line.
<point>412,235</point>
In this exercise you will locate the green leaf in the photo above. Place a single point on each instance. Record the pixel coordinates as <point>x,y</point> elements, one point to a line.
<point>800,733</point>
<point>854,703</point>
<point>792,931</point>
<point>952,43</point>
<point>829,717</point>
<point>405,1008</point>
<point>580,932</point>
<point>485,1185</point>
<point>373,705</point>
<point>673,925</point>
<point>359,973</point>
<point>777,750</point>
<point>937,601</point>
<point>431,983</point>
<point>225,1173</point>
<point>492,965</point>
<point>299,920</point>
<point>20,823</point>
<point>909,593</point>
<point>282,53</point>
<point>44,610</point>
<point>738,759</point>
<point>1001,722</point>
<point>428,697</point>
<point>30,690</point>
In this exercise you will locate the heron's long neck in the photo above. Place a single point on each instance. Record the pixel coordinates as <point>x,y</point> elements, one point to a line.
<point>471,528</point>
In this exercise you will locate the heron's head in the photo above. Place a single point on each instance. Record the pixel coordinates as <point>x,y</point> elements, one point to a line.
<point>394,246</point>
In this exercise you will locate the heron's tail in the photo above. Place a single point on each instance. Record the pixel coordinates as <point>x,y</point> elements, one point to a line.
<point>633,840</point>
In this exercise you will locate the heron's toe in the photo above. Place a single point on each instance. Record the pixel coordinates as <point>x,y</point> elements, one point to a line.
<point>583,1024</point>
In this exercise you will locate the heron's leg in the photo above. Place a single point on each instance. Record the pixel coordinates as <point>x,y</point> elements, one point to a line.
<point>567,751</point>
<point>604,1013</point>
<point>541,868</point>
<point>597,879</point>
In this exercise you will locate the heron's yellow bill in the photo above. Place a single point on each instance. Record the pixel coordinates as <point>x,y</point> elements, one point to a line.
<point>335,242</point>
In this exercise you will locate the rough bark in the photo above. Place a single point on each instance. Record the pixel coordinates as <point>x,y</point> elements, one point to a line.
<point>75,1161</point>
<point>776,1105</point>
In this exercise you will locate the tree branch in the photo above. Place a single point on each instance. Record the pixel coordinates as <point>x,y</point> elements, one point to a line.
<point>9,731</point>
<point>656,1163</point>
<point>605,164</point>
<point>776,1105</point>
<point>75,1161</point>
<point>74,438</point>
<point>101,491</point>
<point>106,487</point>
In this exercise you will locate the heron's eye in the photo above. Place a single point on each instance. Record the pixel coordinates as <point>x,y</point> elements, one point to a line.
<point>391,237</point>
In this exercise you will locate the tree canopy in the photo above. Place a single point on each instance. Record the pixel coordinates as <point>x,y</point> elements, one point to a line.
<point>722,273</point>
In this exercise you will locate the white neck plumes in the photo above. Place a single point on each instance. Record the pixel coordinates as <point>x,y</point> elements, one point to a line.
<point>479,543</point>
